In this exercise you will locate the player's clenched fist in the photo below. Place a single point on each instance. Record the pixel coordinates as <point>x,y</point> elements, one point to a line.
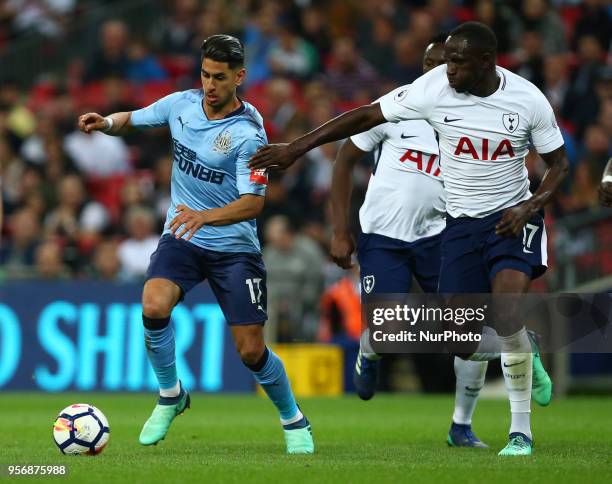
<point>192,221</point>
<point>342,247</point>
<point>92,122</point>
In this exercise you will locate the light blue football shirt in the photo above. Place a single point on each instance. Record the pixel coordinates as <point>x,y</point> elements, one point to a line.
<point>209,168</point>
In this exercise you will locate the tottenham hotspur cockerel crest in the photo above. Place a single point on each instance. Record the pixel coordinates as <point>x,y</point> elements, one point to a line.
<point>223,142</point>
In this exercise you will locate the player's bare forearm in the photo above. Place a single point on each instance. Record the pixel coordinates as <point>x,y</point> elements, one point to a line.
<point>118,125</point>
<point>281,156</point>
<point>514,218</point>
<point>247,207</point>
<point>605,188</point>
<point>342,243</point>
<point>558,168</point>
<point>342,185</point>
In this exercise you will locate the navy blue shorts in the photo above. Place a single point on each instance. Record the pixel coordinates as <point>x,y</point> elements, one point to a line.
<point>238,280</point>
<point>387,265</point>
<point>472,254</point>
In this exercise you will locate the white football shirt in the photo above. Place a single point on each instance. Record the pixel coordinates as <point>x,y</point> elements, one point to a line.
<point>483,141</point>
<point>405,196</point>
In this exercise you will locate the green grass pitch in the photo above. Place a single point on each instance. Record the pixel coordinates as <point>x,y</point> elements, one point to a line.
<point>389,439</point>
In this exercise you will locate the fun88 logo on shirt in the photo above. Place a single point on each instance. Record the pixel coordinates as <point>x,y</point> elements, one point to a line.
<point>186,160</point>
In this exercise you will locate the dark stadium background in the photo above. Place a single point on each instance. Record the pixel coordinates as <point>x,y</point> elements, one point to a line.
<point>84,213</point>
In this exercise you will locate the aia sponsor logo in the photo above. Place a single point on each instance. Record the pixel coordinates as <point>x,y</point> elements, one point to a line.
<point>466,146</point>
<point>426,163</point>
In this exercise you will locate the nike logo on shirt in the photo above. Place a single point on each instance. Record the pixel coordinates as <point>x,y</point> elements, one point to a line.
<point>406,137</point>
<point>448,120</point>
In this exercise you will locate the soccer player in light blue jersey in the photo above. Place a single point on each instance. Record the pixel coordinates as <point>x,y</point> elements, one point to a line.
<point>210,232</point>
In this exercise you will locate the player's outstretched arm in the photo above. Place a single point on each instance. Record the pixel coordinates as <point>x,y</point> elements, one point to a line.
<point>247,207</point>
<point>281,156</point>
<point>515,218</point>
<point>342,242</point>
<point>116,124</point>
<point>605,188</point>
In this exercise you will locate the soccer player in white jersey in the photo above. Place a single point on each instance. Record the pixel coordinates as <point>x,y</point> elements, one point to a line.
<point>402,218</point>
<point>605,187</point>
<point>485,117</point>
<point>210,233</point>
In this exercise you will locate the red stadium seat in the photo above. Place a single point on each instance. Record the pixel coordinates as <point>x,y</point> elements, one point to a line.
<point>152,91</point>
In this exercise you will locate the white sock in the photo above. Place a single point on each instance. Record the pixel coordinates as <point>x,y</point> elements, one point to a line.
<point>470,379</point>
<point>298,416</point>
<point>516,361</point>
<point>489,347</point>
<point>365,348</point>
<point>175,391</point>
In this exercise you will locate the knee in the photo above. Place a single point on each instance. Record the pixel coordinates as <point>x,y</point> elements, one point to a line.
<point>155,308</point>
<point>250,354</point>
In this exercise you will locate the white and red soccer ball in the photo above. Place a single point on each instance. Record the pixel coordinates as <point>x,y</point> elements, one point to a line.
<point>81,429</point>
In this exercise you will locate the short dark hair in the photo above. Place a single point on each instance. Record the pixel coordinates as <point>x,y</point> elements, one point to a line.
<point>438,39</point>
<point>223,48</point>
<point>478,35</point>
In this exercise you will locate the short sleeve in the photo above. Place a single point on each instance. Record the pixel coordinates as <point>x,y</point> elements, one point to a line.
<point>406,102</point>
<point>248,180</point>
<point>156,114</point>
<point>368,140</point>
<point>545,133</point>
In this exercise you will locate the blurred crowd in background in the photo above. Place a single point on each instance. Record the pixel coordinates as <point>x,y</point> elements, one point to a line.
<point>93,206</point>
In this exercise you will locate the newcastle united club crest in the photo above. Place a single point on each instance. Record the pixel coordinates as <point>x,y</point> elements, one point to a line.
<point>223,143</point>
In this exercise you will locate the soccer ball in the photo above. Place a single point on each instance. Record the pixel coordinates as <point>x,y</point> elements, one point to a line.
<point>81,429</point>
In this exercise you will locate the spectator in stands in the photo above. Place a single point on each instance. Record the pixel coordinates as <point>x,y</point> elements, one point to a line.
<point>531,58</point>
<point>49,262</point>
<point>46,17</point>
<point>135,252</point>
<point>341,310</point>
<point>142,66</point>
<point>408,62</point>
<point>502,20</point>
<point>583,191</point>
<point>112,57</point>
<point>556,82</point>
<point>162,173</point>
<point>133,192</point>
<point>538,16</point>
<point>97,155</point>
<point>596,147</point>
<point>279,108</point>
<point>314,31</point>
<point>258,40</point>
<point>20,119</point>
<point>594,20</point>
<point>443,16</point>
<point>11,170</point>
<point>74,215</point>
<point>422,28</point>
<point>605,117</point>
<point>291,56</point>
<point>177,31</point>
<point>17,253</point>
<point>379,48</point>
<point>582,102</point>
<point>295,278</point>
<point>106,264</point>
<point>33,148</point>
<point>349,75</point>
